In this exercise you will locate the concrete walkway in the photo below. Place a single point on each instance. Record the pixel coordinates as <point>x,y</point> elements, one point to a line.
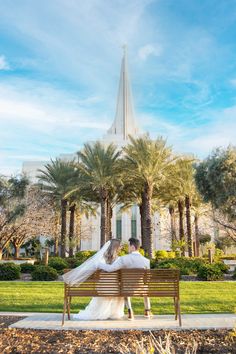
<point>53,321</point>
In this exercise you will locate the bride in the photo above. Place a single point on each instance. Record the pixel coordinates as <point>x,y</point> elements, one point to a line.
<point>99,308</point>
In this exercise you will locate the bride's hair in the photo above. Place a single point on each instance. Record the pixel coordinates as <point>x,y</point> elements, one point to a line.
<point>112,251</point>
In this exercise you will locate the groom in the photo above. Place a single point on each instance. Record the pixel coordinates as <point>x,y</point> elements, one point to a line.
<point>132,260</point>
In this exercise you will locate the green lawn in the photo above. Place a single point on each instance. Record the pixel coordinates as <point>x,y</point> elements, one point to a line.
<point>196,297</point>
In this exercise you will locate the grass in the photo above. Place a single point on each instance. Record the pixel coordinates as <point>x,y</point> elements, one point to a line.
<point>196,297</point>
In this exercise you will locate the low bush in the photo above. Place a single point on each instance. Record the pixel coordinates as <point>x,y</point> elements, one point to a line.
<point>218,254</point>
<point>27,267</point>
<point>171,254</point>
<point>223,267</point>
<point>82,256</point>
<point>44,273</point>
<point>234,273</point>
<point>229,257</point>
<point>210,272</point>
<point>73,262</point>
<point>124,249</point>
<point>187,266</point>
<point>161,254</point>
<point>141,251</point>
<point>9,271</point>
<point>57,263</point>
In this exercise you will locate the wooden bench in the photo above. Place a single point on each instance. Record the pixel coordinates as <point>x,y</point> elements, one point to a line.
<point>127,283</point>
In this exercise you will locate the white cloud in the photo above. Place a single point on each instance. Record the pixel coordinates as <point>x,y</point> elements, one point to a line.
<point>40,121</point>
<point>218,131</point>
<point>149,49</point>
<point>233,82</point>
<point>3,63</point>
<point>43,108</point>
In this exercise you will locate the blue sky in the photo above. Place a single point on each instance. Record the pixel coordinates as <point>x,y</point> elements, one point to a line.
<point>60,63</point>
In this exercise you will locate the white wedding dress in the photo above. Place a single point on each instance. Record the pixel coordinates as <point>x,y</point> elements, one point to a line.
<point>99,308</point>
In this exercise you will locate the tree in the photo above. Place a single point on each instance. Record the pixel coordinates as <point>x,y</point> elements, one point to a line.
<point>58,179</point>
<point>100,171</point>
<point>187,191</point>
<point>37,220</point>
<point>12,206</point>
<point>216,182</point>
<point>145,164</point>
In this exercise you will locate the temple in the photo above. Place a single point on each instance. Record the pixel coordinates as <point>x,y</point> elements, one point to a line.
<point>124,123</point>
<point>124,224</point>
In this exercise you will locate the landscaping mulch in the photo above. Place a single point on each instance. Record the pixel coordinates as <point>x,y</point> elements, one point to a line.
<point>24,341</point>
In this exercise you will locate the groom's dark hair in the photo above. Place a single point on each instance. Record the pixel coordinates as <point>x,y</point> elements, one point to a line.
<point>134,242</point>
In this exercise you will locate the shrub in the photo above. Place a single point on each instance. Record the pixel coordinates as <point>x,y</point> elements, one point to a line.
<point>228,256</point>
<point>82,256</point>
<point>44,273</point>
<point>171,254</point>
<point>234,273</point>
<point>218,254</point>
<point>223,267</point>
<point>27,268</point>
<point>161,254</point>
<point>141,251</point>
<point>9,271</point>
<point>57,263</point>
<point>124,249</point>
<point>187,266</point>
<point>73,262</point>
<point>210,272</point>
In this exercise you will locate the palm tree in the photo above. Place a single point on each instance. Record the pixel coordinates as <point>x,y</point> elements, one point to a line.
<point>100,172</point>
<point>186,191</point>
<point>58,179</point>
<point>168,196</point>
<point>145,164</point>
<point>77,207</point>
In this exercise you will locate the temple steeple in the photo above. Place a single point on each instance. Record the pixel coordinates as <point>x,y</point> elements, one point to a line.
<point>124,123</point>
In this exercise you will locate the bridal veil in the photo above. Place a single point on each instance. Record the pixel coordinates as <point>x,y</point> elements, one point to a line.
<point>83,272</point>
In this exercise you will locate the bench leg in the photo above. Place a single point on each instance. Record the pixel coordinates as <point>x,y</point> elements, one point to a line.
<point>64,311</point>
<point>69,303</point>
<point>176,308</point>
<point>179,313</point>
<point>68,308</point>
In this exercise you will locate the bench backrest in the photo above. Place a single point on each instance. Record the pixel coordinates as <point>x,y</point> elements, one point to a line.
<point>129,282</point>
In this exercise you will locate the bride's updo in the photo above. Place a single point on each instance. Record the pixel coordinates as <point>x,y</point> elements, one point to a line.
<point>112,252</point>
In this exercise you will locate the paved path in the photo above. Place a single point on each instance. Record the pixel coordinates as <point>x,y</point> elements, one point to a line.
<point>53,321</point>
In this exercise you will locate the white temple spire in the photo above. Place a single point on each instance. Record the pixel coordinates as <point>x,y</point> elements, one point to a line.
<point>124,123</point>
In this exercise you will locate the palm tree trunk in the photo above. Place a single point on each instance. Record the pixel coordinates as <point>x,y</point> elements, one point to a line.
<point>103,202</point>
<point>148,220</point>
<point>181,223</point>
<point>78,232</point>
<point>189,227</point>
<point>142,221</point>
<point>172,224</point>
<point>110,213</point>
<point>1,253</point>
<point>196,219</point>
<point>71,230</point>
<point>63,227</point>
<point>109,220</point>
<point>56,238</point>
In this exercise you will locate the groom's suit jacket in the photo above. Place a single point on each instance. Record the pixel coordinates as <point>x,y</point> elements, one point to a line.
<point>131,260</point>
